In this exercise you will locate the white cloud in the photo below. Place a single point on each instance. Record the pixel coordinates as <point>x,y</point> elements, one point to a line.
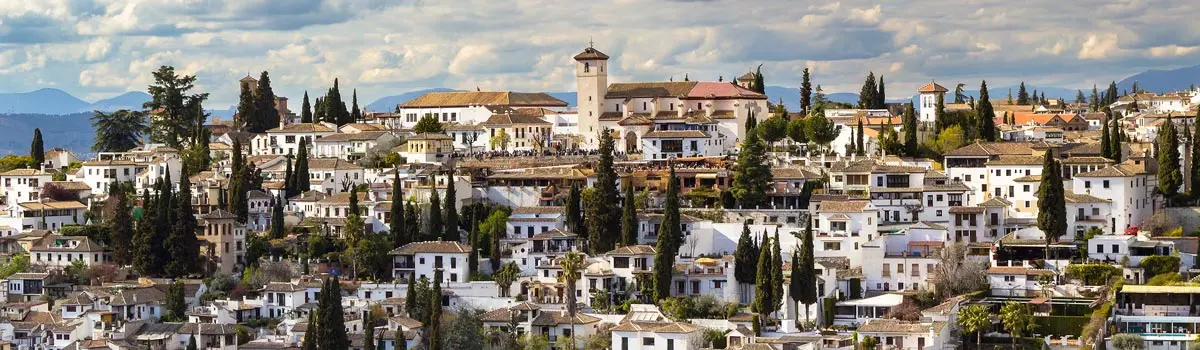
<point>1098,46</point>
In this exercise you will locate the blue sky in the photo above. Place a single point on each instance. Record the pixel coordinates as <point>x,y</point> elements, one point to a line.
<point>96,49</point>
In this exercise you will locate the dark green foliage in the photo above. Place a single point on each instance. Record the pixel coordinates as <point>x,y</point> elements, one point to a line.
<point>1094,274</point>
<point>256,247</point>
<point>355,114</point>
<point>795,131</point>
<point>266,116</point>
<point>319,110</point>
<point>752,177</point>
<point>176,307</point>
<point>369,331</point>
<point>819,130</point>
<point>1060,326</point>
<point>880,98</point>
<point>1194,172</point>
<point>435,216</point>
<point>277,230</point>
<point>37,150</point>
<point>353,206</point>
<point>306,114</point>
<point>450,224</point>
<point>1052,205</point>
<point>858,140</point>
<point>805,93</point>
<point>191,342</point>
<point>759,86</point>
<point>910,131</point>
<point>118,131</point>
<point>122,223</point>
<point>1170,177</point>
<point>182,243</point>
<point>412,222</point>
<point>434,323</point>
<point>239,184</point>
<point>396,227</point>
<point>333,106</point>
<point>179,114</point>
<point>1105,145</point>
<point>808,275</point>
<point>1115,137</point>
<point>310,335</point>
<point>331,321</point>
<point>986,123</point>
<point>145,244</point>
<point>745,258</point>
<point>940,120</point>
<point>763,280</point>
<point>1022,95</point>
<point>866,96</point>
<point>416,302</point>
<point>247,109</point>
<point>1159,265</point>
<point>466,331</point>
<point>301,172</point>
<point>776,273</point>
<point>428,124</point>
<point>574,212</point>
<point>629,229</point>
<point>606,213</point>
<point>669,239</point>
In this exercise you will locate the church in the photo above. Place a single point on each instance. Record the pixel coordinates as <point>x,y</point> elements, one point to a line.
<point>662,120</point>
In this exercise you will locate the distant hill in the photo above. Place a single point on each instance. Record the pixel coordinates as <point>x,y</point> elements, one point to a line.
<point>128,100</point>
<point>71,131</point>
<point>42,101</point>
<point>388,103</point>
<point>1161,80</point>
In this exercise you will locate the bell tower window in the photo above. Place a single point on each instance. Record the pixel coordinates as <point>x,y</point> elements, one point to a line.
<point>587,67</point>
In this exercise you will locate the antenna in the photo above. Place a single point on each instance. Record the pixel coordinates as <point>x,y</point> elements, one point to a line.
<point>590,43</point>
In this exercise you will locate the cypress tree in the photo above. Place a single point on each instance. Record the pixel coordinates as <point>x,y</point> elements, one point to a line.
<point>910,131</point>
<point>608,198</point>
<point>37,151</point>
<point>629,230</point>
<point>985,115</point>
<point>143,239</point>
<point>396,226</point>
<point>163,220</point>
<point>319,111</point>
<point>310,333</point>
<point>805,93</point>
<point>880,97</point>
<point>355,114</point>
<point>796,283</point>
<point>122,226</point>
<point>858,140</point>
<point>808,274</point>
<point>435,311</point>
<point>289,179</point>
<point>1052,205</point>
<point>181,243</point>
<point>1114,138</point>
<point>191,342</point>
<point>763,280</point>
<point>759,85</point>
<point>752,175</point>
<point>1105,144</point>
<point>744,258</point>
<point>412,299</point>
<point>277,219</point>
<point>306,114</point>
<point>435,215</point>
<point>247,110</point>
<point>237,183</point>
<point>368,332</point>
<point>353,210</point>
<point>302,179</point>
<point>1094,102</point>
<point>669,239</point>
<point>268,115</point>
<point>776,272</point>
<point>331,318</point>
<point>451,211</point>
<point>473,258</point>
<point>939,115</point>
<point>412,222</point>
<point>1169,176</point>
<point>1022,95</point>
<point>574,212</point>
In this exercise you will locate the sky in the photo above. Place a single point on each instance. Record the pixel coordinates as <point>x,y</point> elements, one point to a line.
<point>96,49</point>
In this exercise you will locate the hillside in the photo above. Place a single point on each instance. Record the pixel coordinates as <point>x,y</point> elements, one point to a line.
<point>1162,80</point>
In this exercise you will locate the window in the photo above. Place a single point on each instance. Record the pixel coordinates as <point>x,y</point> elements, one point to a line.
<point>647,341</point>
<point>1010,278</point>
<point>1100,248</point>
<point>1116,249</point>
<point>1025,188</point>
<point>1105,184</point>
<point>1087,184</point>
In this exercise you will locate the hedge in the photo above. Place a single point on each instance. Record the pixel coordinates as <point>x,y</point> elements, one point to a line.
<point>1060,325</point>
<point>1093,274</point>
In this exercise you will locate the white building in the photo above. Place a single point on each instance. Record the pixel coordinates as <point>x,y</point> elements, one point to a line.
<point>286,139</point>
<point>1130,184</point>
<point>419,259</point>
<point>930,94</point>
<point>22,185</point>
<point>58,252</point>
<point>349,146</point>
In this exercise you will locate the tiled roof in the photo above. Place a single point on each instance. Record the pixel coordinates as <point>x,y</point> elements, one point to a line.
<point>301,128</point>
<point>1072,197</point>
<point>844,206</point>
<point>660,134</point>
<point>432,247</point>
<point>513,119</point>
<point>429,136</point>
<point>1016,270</point>
<point>1017,160</point>
<point>722,90</point>
<point>590,53</point>
<point>59,243</point>
<point>71,185</point>
<point>358,136</point>
<point>53,205</point>
<point>932,87</point>
<point>23,172</point>
<point>884,325</point>
<point>966,210</point>
<point>344,198</point>
<point>792,173</point>
<point>218,215</point>
<point>647,90</point>
<point>552,234</point>
<point>993,149</point>
<point>484,98</point>
<point>554,318</point>
<point>331,164</point>
<point>639,249</point>
<point>538,210</point>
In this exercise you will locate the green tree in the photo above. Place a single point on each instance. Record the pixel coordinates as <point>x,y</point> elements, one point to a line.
<point>181,242</point>
<point>1169,175</point>
<point>950,139</point>
<point>1094,102</point>
<point>669,239</point>
<point>986,128</point>
<point>776,273</point>
<point>37,150</point>
<point>866,96</point>
<point>238,184</point>
<point>939,115</point>
<point>804,284</point>
<point>1128,341</point>
<point>266,115</point>
<point>256,248</point>
<point>1022,95</point>
<point>506,276</point>
<point>820,130</point>
<point>396,227</point>
<point>122,226</point>
<point>745,259</point>
<point>870,343</point>
<point>910,131</point>
<point>606,213</point>
<point>1105,144</point>
<point>369,339</point>
<point>1114,139</point>
<point>416,302</point>
<point>880,96</point>
<point>450,224</point>
<point>277,230</point>
<point>118,131</point>
<point>859,144</point>
<point>763,282</point>
<point>176,110</point>
<point>310,333</point>
<point>247,110</point>
<point>332,322</point>
<point>191,342</point>
<point>494,227</point>
<point>1194,171</point>
<point>302,175</point>
<point>355,113</point>
<point>306,114</point>
<point>334,107</point>
<point>752,176</point>
<point>574,212</point>
<point>428,124</point>
<point>353,208</point>
<point>466,331</point>
<point>961,97</point>
<point>805,93</point>
<point>435,218</point>
<point>572,264</point>
<point>176,307</point>
<point>759,85</point>
<point>629,229</point>
<point>435,311</point>
<point>1052,205</point>
<point>1017,318</point>
<point>975,319</point>
<point>795,131</point>
<point>145,244</point>
<point>773,129</point>
<point>500,140</point>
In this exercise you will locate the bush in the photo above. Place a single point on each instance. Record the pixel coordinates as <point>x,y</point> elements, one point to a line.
<point>1093,274</point>
<point>1165,279</point>
<point>705,306</point>
<point>1160,264</point>
<point>1060,325</point>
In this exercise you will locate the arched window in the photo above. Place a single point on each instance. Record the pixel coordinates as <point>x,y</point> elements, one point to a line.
<point>587,67</point>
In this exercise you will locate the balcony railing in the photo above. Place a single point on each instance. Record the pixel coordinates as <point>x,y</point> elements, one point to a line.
<point>404,265</point>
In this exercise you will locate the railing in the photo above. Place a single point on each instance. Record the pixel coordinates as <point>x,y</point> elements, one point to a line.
<point>404,265</point>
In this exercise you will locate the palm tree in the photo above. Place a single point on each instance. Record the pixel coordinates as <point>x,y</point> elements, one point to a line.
<point>1017,319</point>
<point>572,264</point>
<point>975,319</point>
<point>118,131</point>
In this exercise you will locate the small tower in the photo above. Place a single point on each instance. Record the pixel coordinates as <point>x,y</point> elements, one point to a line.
<point>249,82</point>
<point>930,94</point>
<point>591,82</point>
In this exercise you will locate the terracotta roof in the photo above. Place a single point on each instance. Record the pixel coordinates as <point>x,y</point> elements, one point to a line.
<point>647,90</point>
<point>1016,270</point>
<point>513,119</point>
<point>792,173</point>
<point>844,206</point>
<point>429,136</point>
<point>639,249</point>
<point>590,53</point>
<point>218,214</point>
<point>301,128</point>
<point>932,87</point>
<point>331,164</point>
<point>552,234</point>
<point>993,149</point>
<point>884,325</point>
<point>722,90</point>
<point>484,98</point>
<point>1017,160</point>
<point>358,136</point>
<point>538,210</point>
<point>23,172</point>
<point>344,198</point>
<point>59,243</point>
<point>554,318</point>
<point>53,205</point>
<point>431,247</point>
<point>660,134</point>
<point>1087,160</point>
<point>1072,197</point>
<point>993,202</point>
<point>966,210</point>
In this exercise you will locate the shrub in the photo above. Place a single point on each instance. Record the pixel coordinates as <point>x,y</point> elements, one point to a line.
<point>1093,274</point>
<point>1160,264</point>
<point>1165,279</point>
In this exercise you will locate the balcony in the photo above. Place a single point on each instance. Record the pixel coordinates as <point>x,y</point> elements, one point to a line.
<point>404,265</point>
